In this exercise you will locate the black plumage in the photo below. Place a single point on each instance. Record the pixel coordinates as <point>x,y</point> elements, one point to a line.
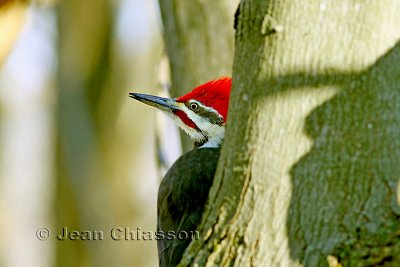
<point>181,200</point>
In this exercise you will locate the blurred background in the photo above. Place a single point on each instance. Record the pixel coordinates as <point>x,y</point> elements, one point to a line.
<point>75,150</point>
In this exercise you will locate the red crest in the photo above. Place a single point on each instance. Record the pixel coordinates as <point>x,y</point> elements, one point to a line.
<point>214,94</point>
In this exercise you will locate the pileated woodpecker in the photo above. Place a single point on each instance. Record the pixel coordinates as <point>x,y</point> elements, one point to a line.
<point>184,189</point>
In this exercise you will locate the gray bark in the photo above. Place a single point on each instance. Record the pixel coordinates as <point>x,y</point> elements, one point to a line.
<point>199,42</point>
<point>309,169</point>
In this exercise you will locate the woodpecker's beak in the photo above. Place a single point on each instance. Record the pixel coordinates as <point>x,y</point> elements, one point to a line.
<point>164,104</point>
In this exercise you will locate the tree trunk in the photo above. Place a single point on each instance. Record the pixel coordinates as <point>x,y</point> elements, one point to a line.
<point>309,170</point>
<point>80,175</point>
<point>199,42</point>
<point>102,149</point>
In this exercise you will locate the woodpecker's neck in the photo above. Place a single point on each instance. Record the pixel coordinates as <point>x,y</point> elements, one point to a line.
<point>213,142</point>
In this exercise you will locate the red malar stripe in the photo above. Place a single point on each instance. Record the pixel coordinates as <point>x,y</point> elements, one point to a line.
<point>182,115</point>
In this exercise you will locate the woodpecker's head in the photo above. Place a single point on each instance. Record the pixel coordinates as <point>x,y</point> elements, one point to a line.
<point>201,113</point>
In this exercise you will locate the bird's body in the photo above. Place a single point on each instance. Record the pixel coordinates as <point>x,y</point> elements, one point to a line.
<point>183,192</point>
<point>181,204</point>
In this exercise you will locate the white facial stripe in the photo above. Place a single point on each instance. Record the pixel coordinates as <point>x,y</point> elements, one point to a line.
<point>194,134</point>
<point>214,132</point>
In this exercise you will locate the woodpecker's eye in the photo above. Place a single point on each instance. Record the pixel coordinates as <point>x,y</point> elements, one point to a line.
<point>193,106</point>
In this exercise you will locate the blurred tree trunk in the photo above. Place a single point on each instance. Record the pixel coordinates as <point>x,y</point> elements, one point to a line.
<point>309,170</point>
<point>84,48</point>
<point>98,140</point>
<point>12,17</point>
<point>199,42</point>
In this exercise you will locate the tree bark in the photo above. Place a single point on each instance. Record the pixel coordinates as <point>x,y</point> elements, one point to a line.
<point>199,42</point>
<point>309,170</point>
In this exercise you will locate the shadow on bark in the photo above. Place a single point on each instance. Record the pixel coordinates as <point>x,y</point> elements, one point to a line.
<point>344,191</point>
<point>344,200</point>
